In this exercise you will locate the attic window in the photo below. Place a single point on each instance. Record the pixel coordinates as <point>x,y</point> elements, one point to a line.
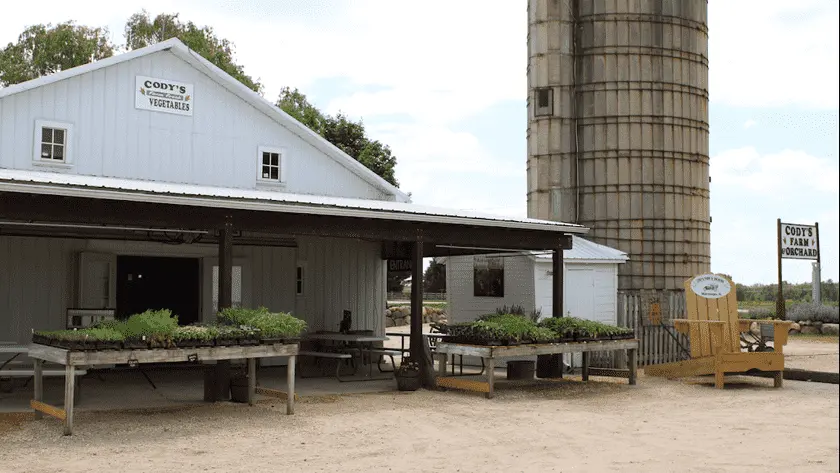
<point>544,101</point>
<point>271,167</point>
<point>52,144</point>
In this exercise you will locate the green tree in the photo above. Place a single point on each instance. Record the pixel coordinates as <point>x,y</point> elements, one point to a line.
<point>434,279</point>
<point>295,104</point>
<point>44,49</point>
<point>344,133</point>
<point>142,31</point>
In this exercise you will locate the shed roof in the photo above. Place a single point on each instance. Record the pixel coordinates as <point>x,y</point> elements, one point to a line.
<point>74,185</point>
<point>584,250</point>
<point>179,49</point>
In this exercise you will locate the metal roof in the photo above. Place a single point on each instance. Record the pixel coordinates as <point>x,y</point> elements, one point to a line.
<point>179,49</point>
<point>74,185</point>
<point>584,250</point>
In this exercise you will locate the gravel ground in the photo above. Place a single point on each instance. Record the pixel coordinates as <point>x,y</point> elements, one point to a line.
<point>603,425</point>
<point>816,354</point>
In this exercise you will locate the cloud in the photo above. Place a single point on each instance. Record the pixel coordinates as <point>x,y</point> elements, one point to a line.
<point>771,53</point>
<point>776,173</point>
<point>749,124</point>
<point>750,190</point>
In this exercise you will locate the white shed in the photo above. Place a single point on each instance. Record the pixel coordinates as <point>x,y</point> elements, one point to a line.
<point>524,279</point>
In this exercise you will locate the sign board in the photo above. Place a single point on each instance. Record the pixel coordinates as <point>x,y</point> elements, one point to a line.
<point>799,242</point>
<point>710,286</point>
<point>399,265</point>
<point>163,95</point>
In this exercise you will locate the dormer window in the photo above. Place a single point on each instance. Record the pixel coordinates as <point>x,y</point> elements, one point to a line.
<point>53,143</point>
<point>271,165</point>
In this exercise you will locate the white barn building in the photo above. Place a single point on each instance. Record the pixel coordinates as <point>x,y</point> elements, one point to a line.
<point>590,282</point>
<point>144,180</point>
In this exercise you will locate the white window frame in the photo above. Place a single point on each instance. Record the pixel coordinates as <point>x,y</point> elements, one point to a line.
<point>301,266</point>
<point>68,144</point>
<point>282,165</point>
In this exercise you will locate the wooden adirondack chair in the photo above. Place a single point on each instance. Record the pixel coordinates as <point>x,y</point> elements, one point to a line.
<point>714,332</point>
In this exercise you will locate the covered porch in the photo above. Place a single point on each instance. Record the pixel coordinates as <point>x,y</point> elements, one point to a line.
<point>343,244</point>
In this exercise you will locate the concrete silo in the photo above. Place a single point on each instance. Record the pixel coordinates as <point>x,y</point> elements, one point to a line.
<point>618,129</point>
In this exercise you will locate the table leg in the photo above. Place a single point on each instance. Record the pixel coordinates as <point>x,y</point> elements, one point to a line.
<point>290,385</point>
<point>491,375</point>
<point>442,364</point>
<point>631,361</point>
<point>39,385</point>
<point>252,380</point>
<point>584,370</point>
<point>69,390</point>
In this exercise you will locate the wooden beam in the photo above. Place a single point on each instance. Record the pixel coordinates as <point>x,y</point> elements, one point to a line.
<point>465,384</point>
<point>49,410</point>
<point>48,208</point>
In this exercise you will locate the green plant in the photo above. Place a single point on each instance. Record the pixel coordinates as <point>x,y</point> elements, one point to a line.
<point>269,324</point>
<point>195,332</point>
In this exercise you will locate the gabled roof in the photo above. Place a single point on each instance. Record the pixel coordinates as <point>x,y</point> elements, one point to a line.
<point>135,190</point>
<point>179,49</point>
<point>585,251</point>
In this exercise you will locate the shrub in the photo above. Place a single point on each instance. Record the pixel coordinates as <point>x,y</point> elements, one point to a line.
<point>761,313</point>
<point>814,313</point>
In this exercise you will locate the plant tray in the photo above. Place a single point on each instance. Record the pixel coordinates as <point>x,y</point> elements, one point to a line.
<point>135,345</point>
<point>248,341</point>
<point>112,345</point>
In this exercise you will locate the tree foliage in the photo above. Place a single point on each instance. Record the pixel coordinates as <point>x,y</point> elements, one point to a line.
<point>344,133</point>
<point>434,279</point>
<point>142,31</point>
<point>45,49</point>
<point>792,292</point>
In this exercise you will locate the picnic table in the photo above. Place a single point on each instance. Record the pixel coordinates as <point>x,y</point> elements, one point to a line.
<point>349,344</point>
<point>132,357</point>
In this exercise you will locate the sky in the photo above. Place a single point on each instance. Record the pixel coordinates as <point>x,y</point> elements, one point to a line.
<point>444,84</point>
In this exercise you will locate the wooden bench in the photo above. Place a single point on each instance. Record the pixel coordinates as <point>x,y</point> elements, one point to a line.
<point>30,372</point>
<point>384,352</point>
<point>332,355</point>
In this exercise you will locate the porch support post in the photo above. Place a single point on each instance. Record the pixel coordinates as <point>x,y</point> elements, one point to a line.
<point>551,366</point>
<point>220,389</point>
<point>420,351</point>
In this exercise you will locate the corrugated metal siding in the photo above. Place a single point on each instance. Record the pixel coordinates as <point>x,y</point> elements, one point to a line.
<point>342,274</point>
<point>38,277</point>
<point>217,146</point>
<point>463,306</point>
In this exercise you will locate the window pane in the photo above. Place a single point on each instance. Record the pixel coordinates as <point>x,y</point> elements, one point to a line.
<point>58,136</point>
<point>300,287</point>
<point>46,135</point>
<point>266,172</point>
<point>46,151</point>
<point>275,173</point>
<point>266,159</point>
<point>58,152</point>
<point>275,159</point>
<point>543,98</point>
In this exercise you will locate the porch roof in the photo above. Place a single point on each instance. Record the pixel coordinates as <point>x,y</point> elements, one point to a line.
<point>131,190</point>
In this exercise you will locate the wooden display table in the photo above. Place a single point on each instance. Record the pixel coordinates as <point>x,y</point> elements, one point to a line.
<point>73,359</point>
<point>490,353</point>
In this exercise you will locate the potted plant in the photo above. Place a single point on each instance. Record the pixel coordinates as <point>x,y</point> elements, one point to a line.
<point>408,375</point>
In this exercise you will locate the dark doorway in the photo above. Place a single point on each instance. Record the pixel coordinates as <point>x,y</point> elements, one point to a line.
<point>145,282</point>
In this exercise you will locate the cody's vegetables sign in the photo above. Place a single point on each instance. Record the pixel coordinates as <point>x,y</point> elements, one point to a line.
<point>162,95</point>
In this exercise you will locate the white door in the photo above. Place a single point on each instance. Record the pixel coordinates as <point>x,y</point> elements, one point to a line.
<point>97,281</point>
<point>580,293</point>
